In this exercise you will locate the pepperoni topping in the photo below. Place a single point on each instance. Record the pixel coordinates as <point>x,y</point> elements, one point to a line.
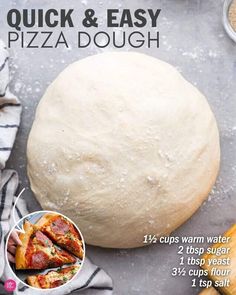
<point>39,260</point>
<point>42,239</point>
<point>29,251</point>
<point>42,280</point>
<point>59,226</point>
<point>65,254</point>
<point>56,283</point>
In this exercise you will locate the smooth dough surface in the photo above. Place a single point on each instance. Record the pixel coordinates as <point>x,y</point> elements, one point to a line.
<point>124,146</point>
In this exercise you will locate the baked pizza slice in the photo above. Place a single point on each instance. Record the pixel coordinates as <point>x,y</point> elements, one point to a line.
<point>53,278</point>
<point>38,251</point>
<point>62,232</point>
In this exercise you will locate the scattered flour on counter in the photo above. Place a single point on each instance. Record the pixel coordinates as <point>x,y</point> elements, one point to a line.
<point>17,87</point>
<point>212,54</point>
<point>29,89</point>
<point>219,193</point>
<point>84,2</point>
<point>166,22</point>
<point>199,54</point>
<point>166,44</point>
<point>193,55</point>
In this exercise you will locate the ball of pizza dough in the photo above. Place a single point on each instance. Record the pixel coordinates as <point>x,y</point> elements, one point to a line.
<point>124,146</point>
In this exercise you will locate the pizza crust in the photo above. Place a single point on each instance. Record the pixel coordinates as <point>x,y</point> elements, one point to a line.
<point>20,256</point>
<point>44,220</point>
<point>33,281</point>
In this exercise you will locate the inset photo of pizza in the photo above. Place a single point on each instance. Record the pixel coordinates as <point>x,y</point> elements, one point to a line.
<point>45,250</point>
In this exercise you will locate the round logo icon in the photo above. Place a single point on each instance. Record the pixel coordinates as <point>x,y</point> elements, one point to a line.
<point>10,285</point>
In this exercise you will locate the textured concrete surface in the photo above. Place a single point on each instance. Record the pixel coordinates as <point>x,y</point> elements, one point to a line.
<point>193,39</point>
